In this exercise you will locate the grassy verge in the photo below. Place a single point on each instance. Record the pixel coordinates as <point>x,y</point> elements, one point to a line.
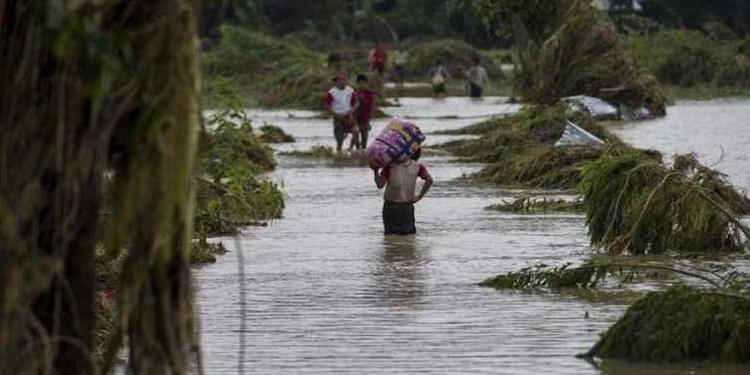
<point>705,92</point>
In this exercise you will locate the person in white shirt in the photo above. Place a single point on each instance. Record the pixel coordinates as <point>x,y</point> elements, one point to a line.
<point>341,102</point>
<point>477,79</point>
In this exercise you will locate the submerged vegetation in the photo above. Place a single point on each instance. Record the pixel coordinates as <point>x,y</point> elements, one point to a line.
<point>232,193</point>
<point>681,324</point>
<point>274,134</point>
<point>344,159</point>
<point>530,205</point>
<point>521,149</point>
<point>637,205</point>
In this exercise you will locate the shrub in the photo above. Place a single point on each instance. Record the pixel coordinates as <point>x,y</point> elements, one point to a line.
<point>681,324</point>
<point>456,54</point>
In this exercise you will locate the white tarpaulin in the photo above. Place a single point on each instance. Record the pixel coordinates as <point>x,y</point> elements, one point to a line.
<point>574,135</point>
<point>596,108</point>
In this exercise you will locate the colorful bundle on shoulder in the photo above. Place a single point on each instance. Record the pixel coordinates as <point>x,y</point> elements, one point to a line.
<point>398,141</point>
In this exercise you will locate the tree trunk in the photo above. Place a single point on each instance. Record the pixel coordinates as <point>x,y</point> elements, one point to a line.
<point>82,83</point>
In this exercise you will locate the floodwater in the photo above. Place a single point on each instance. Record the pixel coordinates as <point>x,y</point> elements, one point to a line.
<point>717,131</point>
<point>327,293</point>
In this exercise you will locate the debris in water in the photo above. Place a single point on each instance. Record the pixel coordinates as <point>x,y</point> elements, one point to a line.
<point>596,108</point>
<point>574,135</point>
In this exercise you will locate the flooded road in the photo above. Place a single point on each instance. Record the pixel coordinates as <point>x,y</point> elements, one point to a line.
<point>327,293</point>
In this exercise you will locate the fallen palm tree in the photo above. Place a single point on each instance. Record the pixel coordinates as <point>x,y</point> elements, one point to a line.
<point>637,205</point>
<point>521,150</point>
<point>566,48</point>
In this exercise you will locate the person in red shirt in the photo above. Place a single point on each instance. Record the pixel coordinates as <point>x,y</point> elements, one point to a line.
<point>366,100</point>
<point>341,101</point>
<point>378,58</point>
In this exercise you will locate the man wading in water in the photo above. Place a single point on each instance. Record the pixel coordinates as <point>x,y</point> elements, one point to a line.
<point>400,181</point>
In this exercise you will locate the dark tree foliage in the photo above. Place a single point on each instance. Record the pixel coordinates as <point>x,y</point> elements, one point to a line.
<point>349,20</point>
<point>694,13</point>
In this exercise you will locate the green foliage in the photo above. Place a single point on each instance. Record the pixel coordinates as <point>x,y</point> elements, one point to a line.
<point>520,149</point>
<point>637,205</point>
<point>567,48</point>
<point>317,152</point>
<point>483,127</point>
<point>692,14</point>
<point>689,58</point>
<point>202,251</point>
<point>231,192</point>
<point>542,167</point>
<point>532,19</point>
<point>243,51</point>
<point>543,276</point>
<point>277,72</point>
<point>274,134</point>
<point>529,205</point>
<point>456,54</point>
<point>339,159</point>
<point>681,324</point>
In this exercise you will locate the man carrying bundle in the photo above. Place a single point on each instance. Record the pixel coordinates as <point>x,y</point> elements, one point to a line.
<point>400,181</point>
<point>341,101</point>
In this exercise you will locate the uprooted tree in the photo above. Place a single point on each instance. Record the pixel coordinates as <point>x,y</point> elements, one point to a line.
<point>95,91</point>
<point>567,47</point>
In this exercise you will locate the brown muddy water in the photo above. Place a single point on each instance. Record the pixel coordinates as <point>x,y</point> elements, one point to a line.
<point>327,293</point>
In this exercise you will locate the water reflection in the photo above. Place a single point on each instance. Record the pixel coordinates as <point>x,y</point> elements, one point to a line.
<point>399,277</point>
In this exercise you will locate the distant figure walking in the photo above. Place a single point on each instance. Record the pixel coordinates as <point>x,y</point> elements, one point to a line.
<point>399,70</point>
<point>378,59</point>
<point>439,77</point>
<point>478,78</point>
<point>341,102</point>
<point>400,181</point>
<point>366,99</point>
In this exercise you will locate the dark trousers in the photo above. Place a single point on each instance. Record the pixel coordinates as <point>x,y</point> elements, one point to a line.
<point>398,218</point>
<point>475,91</point>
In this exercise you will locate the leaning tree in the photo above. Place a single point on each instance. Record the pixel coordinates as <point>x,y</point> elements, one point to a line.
<point>97,93</point>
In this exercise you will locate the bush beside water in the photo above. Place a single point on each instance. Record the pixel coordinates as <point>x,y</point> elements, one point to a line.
<point>231,191</point>
<point>690,58</point>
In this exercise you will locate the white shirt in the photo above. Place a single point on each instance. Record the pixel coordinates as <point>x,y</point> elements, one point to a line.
<point>341,100</point>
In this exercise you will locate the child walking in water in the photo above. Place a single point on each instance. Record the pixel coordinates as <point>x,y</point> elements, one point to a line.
<point>400,181</point>
<point>341,101</point>
<point>366,99</point>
